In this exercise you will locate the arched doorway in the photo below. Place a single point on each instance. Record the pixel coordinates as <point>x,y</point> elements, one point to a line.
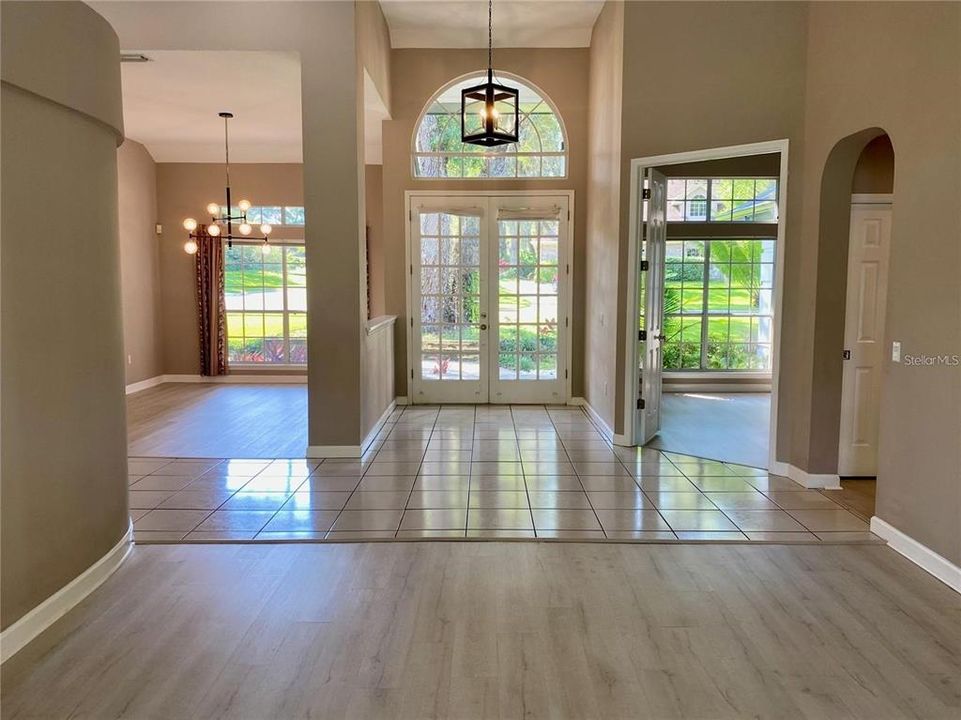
<point>853,249</point>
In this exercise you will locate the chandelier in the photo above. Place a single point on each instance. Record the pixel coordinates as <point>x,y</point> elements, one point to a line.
<point>489,113</point>
<point>223,218</point>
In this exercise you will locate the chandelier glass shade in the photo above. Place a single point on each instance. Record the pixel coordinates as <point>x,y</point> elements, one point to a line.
<point>489,113</point>
<point>222,218</point>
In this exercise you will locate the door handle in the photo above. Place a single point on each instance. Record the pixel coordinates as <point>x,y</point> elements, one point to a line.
<point>846,355</point>
<point>483,326</point>
<point>662,338</point>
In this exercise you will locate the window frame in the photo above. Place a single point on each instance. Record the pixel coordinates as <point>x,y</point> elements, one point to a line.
<point>283,244</point>
<point>480,75</point>
<point>709,199</point>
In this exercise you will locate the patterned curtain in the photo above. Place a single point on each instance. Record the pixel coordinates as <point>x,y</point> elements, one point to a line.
<point>212,320</point>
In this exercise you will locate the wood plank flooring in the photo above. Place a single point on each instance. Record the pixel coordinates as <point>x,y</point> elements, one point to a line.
<point>500,630</point>
<point>215,420</point>
<point>733,427</point>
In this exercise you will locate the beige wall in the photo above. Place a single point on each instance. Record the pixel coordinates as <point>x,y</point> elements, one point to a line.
<point>374,176</point>
<point>824,76</point>
<point>416,76</point>
<point>139,263</point>
<point>766,165</point>
<point>183,190</point>
<point>378,359</point>
<point>324,36</point>
<point>603,200</point>
<point>64,466</point>
<point>698,99</point>
<point>373,44</point>
<point>913,95</point>
<point>874,172</point>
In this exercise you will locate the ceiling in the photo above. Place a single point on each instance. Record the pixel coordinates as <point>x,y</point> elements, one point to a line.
<point>170,105</point>
<point>517,23</point>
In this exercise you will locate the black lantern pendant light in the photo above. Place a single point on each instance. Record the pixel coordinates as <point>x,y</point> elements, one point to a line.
<point>489,113</point>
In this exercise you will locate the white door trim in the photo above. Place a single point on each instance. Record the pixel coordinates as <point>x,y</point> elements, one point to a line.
<point>410,195</point>
<point>638,167</point>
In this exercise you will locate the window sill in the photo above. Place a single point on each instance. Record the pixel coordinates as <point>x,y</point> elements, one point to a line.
<point>251,368</point>
<point>715,375</point>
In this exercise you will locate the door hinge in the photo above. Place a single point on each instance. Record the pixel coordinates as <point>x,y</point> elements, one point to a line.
<point>412,373</point>
<point>568,268</point>
<point>412,269</point>
<point>412,322</point>
<point>646,194</point>
<point>567,322</point>
<point>645,265</point>
<point>410,215</point>
<point>642,335</point>
<point>565,374</point>
<point>640,403</point>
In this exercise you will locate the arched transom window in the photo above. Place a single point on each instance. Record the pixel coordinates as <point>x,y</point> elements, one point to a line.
<point>439,153</point>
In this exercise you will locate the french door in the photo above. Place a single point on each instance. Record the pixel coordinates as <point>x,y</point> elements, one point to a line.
<point>489,288</point>
<point>647,418</point>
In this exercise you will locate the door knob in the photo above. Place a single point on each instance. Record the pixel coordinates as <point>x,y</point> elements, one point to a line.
<point>483,326</point>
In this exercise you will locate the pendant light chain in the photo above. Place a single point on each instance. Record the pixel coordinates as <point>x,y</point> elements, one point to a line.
<point>490,35</point>
<point>226,151</point>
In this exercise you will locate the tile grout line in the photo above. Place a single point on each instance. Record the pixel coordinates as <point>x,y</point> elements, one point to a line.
<point>578,476</point>
<point>520,460</point>
<point>420,465</point>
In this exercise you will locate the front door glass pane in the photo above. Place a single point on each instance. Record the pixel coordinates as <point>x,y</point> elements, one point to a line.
<point>450,296</point>
<point>527,299</point>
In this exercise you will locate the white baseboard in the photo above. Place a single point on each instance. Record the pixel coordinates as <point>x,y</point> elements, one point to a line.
<point>602,427</point>
<point>16,637</point>
<point>921,555</point>
<point>808,480</point>
<point>671,387</point>
<point>144,384</point>
<point>253,378</point>
<point>334,451</point>
<point>372,435</point>
<point>401,400</point>
<point>351,451</point>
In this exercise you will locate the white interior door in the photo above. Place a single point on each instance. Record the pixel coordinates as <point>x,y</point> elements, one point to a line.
<point>650,340</point>
<point>529,324</point>
<point>489,283</point>
<point>449,299</point>
<point>864,339</point>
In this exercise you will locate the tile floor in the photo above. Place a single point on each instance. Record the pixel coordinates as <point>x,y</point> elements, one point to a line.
<point>481,472</point>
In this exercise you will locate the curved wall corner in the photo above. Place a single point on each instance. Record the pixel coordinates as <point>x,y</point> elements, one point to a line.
<point>62,417</point>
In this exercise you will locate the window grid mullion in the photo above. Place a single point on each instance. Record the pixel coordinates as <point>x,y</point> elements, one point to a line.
<point>286,318</point>
<point>705,300</point>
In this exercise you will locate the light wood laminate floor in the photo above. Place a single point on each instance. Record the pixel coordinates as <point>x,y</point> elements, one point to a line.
<point>500,630</point>
<point>198,420</point>
<point>733,427</point>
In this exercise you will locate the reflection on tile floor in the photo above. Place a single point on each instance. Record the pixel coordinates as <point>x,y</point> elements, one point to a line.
<point>481,472</point>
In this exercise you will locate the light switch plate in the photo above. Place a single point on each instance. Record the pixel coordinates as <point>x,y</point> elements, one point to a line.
<point>896,351</point>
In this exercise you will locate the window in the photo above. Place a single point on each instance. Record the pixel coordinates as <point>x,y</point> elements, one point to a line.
<point>718,304</point>
<point>271,214</point>
<point>439,153</point>
<point>727,199</point>
<point>266,299</point>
